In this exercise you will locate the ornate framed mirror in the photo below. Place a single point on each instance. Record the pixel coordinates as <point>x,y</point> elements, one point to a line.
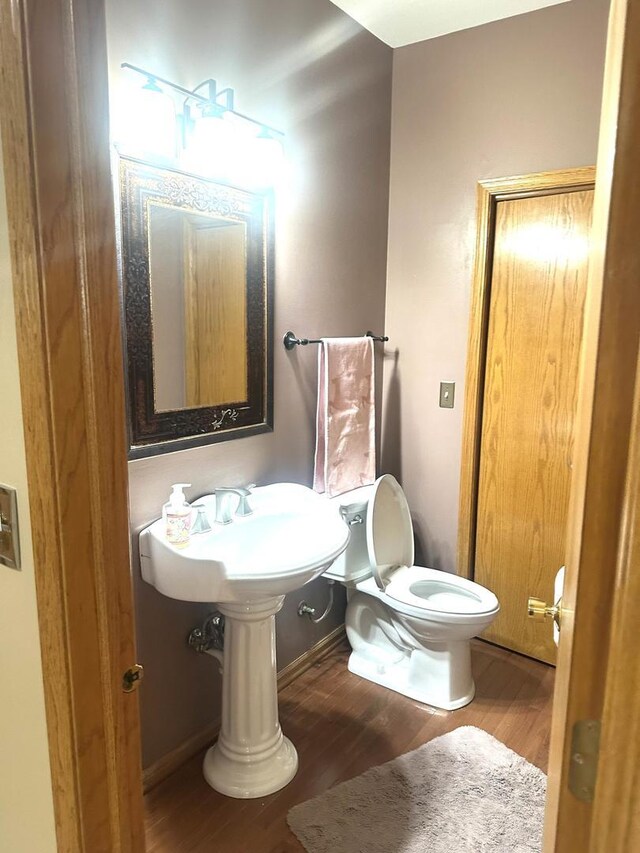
<point>197,271</point>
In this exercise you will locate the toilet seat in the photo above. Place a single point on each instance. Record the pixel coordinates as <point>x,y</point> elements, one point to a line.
<point>420,609</point>
<point>432,592</point>
<point>414,590</point>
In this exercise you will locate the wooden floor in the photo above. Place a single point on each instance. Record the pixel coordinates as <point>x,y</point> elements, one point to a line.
<point>341,726</point>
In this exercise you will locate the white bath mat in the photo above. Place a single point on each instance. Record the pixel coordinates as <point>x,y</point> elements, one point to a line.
<point>463,792</point>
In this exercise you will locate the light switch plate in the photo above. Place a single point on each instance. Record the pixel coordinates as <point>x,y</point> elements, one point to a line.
<point>9,542</point>
<point>447,394</point>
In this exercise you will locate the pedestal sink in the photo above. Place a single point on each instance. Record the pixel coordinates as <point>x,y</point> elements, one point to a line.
<point>247,567</point>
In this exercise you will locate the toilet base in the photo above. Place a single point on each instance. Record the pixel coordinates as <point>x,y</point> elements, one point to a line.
<point>439,676</point>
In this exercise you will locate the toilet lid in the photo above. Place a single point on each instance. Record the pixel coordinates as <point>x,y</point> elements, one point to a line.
<point>389,529</point>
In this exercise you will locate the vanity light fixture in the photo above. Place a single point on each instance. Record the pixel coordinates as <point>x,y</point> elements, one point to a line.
<point>213,138</point>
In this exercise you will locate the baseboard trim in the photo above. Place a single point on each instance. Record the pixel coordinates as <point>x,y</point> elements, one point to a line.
<point>165,766</point>
<point>306,660</point>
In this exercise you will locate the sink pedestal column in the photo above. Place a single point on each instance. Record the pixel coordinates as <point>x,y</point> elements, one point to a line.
<point>251,758</point>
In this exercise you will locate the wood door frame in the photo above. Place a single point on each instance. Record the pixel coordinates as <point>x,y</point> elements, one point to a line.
<point>489,193</point>
<point>55,139</point>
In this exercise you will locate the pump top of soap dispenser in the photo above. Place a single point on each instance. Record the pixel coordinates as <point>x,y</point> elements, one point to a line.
<point>177,498</point>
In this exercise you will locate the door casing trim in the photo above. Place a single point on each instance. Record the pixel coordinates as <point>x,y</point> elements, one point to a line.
<point>55,141</point>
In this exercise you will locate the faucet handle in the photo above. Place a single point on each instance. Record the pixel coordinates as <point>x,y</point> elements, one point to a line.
<point>243,504</point>
<point>201,524</point>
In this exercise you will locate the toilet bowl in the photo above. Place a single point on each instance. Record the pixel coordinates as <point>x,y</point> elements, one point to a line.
<point>409,627</point>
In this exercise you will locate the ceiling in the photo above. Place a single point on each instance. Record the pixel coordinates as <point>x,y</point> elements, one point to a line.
<point>400,22</point>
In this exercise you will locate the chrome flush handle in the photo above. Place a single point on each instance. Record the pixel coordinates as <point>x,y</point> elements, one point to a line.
<point>357,519</point>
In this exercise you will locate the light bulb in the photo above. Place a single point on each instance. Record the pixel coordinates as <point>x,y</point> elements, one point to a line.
<point>210,145</point>
<point>267,159</point>
<point>145,122</point>
<point>225,147</point>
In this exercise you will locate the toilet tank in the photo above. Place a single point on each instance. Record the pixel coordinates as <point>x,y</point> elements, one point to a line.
<point>353,564</point>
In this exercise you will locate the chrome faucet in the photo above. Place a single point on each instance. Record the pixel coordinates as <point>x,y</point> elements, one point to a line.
<point>223,495</point>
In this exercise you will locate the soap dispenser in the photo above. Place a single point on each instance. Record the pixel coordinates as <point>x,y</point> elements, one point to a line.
<point>176,514</point>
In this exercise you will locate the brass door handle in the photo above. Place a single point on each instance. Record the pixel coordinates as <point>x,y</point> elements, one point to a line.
<point>540,610</point>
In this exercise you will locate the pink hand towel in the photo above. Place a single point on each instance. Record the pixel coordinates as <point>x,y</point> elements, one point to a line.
<point>345,425</point>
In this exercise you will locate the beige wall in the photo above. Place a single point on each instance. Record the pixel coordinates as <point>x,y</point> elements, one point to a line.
<point>512,97</point>
<point>26,804</point>
<point>305,67</point>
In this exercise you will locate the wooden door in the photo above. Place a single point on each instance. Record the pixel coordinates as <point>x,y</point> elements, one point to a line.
<point>537,292</point>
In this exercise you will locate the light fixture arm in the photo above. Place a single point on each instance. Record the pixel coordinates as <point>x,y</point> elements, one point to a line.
<point>212,97</point>
<point>159,79</point>
<point>215,95</point>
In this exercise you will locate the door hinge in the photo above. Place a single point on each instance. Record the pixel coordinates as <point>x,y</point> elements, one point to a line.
<point>583,766</point>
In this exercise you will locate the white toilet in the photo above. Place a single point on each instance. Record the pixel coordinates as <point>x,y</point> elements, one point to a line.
<point>409,627</point>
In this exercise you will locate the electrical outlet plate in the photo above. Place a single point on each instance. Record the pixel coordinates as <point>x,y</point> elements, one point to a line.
<point>447,394</point>
<point>9,542</point>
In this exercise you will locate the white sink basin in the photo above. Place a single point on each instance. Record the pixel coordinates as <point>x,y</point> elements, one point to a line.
<point>247,567</point>
<point>291,537</point>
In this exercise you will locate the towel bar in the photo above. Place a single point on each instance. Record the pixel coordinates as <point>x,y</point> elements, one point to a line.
<point>290,340</point>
